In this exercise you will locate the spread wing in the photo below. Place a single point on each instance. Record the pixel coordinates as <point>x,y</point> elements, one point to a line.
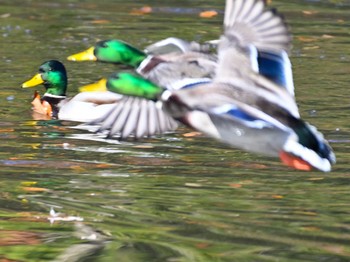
<point>136,116</point>
<point>249,28</point>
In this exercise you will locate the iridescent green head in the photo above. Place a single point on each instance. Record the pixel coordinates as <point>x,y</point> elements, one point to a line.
<point>111,51</point>
<point>52,74</point>
<point>126,84</point>
<point>131,85</point>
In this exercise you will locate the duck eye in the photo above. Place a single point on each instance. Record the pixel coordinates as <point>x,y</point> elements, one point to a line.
<point>104,44</point>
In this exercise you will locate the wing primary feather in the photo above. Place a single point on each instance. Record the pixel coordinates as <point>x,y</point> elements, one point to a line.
<point>110,119</point>
<point>120,121</point>
<point>250,23</point>
<point>245,10</point>
<point>141,129</point>
<point>162,125</point>
<point>152,118</point>
<point>132,120</point>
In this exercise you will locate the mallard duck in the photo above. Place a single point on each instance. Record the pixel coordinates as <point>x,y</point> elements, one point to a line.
<point>270,125</point>
<point>83,107</point>
<point>241,107</point>
<point>162,70</point>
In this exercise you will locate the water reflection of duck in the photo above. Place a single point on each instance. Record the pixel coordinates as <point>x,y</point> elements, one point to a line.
<point>239,106</point>
<point>54,104</point>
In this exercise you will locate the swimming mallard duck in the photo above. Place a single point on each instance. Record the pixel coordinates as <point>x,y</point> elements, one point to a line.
<point>239,106</point>
<point>83,107</point>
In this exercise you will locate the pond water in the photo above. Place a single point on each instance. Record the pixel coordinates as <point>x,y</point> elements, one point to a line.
<point>69,195</point>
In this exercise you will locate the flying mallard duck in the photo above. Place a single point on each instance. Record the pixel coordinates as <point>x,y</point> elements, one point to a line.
<point>83,107</point>
<point>241,107</point>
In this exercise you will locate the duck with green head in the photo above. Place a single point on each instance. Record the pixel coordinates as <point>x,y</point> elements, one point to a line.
<point>162,70</point>
<point>240,107</point>
<point>270,127</point>
<point>55,104</point>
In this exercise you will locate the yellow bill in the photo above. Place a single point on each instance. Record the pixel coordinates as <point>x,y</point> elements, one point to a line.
<point>34,81</point>
<point>87,55</point>
<point>99,86</point>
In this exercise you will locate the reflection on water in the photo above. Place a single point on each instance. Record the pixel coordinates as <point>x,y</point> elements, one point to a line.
<point>179,197</point>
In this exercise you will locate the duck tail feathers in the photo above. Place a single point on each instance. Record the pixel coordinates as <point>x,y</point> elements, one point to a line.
<point>324,149</point>
<point>320,156</point>
<point>250,23</point>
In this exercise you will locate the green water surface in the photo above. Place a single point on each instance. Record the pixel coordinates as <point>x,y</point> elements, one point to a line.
<point>174,197</point>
